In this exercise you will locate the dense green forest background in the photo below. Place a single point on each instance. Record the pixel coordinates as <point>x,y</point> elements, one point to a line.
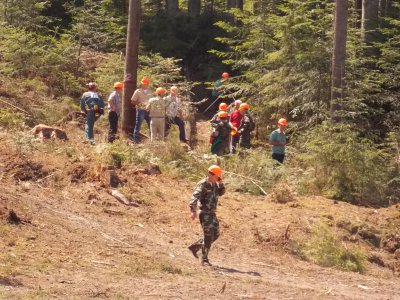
<point>279,55</point>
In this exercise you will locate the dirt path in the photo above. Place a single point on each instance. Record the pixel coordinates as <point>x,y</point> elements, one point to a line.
<point>82,250</point>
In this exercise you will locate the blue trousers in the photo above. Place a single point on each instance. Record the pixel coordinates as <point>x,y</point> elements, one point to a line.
<point>90,119</point>
<point>141,115</point>
<point>181,125</point>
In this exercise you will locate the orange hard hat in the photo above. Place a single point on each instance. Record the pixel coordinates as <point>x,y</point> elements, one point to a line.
<point>222,114</point>
<point>223,106</point>
<point>173,89</point>
<point>282,122</point>
<point>225,75</point>
<point>244,106</point>
<point>216,170</point>
<point>118,85</point>
<point>233,131</point>
<point>145,81</point>
<point>160,91</point>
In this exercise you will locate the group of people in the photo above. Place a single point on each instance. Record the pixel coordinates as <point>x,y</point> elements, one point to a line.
<point>231,129</point>
<point>159,111</point>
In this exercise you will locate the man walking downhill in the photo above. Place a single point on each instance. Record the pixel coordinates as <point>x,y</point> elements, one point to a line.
<point>174,114</point>
<point>156,108</point>
<point>246,126</point>
<point>140,98</point>
<point>278,140</point>
<point>113,111</point>
<point>93,106</point>
<point>235,119</point>
<point>206,196</point>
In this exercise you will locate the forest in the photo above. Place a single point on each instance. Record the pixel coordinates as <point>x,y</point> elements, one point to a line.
<point>332,68</point>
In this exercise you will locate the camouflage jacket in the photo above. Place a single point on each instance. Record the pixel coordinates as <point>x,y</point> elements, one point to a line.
<point>207,194</point>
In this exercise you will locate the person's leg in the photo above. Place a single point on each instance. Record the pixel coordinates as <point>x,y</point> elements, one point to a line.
<point>235,141</point>
<point>162,129</point>
<point>113,120</point>
<point>139,120</point>
<point>210,234</point>
<point>89,125</point>
<point>153,129</point>
<point>168,123</point>
<point>146,115</point>
<point>278,157</point>
<point>181,125</point>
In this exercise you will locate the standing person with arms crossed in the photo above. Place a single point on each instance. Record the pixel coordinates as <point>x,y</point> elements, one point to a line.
<point>206,194</point>
<point>174,114</point>
<point>235,119</point>
<point>140,98</point>
<point>278,140</point>
<point>113,111</point>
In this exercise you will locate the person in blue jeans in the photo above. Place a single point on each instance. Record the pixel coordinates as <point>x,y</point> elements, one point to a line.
<point>278,140</point>
<point>93,106</point>
<point>140,99</point>
<point>174,114</point>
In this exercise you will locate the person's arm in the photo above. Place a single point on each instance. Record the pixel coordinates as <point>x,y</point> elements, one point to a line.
<point>111,103</point>
<point>221,187</point>
<point>273,142</point>
<point>83,104</point>
<point>195,198</point>
<point>135,98</point>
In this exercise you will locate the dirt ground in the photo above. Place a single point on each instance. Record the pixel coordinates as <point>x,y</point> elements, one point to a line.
<point>73,240</point>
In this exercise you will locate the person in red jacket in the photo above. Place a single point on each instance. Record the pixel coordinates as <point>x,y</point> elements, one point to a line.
<point>235,119</point>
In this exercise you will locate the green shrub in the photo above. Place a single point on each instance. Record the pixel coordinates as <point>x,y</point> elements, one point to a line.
<point>10,119</point>
<point>342,165</point>
<point>326,250</point>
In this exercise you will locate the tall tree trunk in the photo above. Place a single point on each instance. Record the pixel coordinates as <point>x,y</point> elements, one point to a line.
<point>230,4</point>
<point>339,58</point>
<point>239,4</point>
<point>370,20</point>
<point>194,8</point>
<point>131,65</point>
<point>172,7</point>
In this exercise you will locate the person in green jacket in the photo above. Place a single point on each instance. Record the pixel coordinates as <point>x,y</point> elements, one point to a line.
<point>278,140</point>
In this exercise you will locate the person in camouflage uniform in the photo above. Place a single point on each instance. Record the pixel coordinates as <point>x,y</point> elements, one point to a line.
<point>206,194</point>
<point>156,108</point>
<point>221,135</point>
<point>247,125</point>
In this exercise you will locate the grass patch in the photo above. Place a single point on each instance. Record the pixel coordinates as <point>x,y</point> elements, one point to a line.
<point>325,249</point>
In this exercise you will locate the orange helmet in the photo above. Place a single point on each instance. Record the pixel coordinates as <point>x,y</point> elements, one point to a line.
<point>244,106</point>
<point>282,122</point>
<point>173,89</point>
<point>145,81</point>
<point>216,170</point>
<point>225,75</point>
<point>118,85</point>
<point>223,106</point>
<point>222,114</point>
<point>160,91</point>
<point>233,131</point>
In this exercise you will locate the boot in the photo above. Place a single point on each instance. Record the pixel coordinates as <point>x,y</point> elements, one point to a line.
<point>205,262</point>
<point>195,247</point>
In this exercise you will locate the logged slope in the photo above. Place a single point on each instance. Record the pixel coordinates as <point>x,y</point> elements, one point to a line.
<point>76,241</point>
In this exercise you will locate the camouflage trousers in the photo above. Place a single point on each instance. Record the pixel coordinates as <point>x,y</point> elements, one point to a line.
<point>209,223</point>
